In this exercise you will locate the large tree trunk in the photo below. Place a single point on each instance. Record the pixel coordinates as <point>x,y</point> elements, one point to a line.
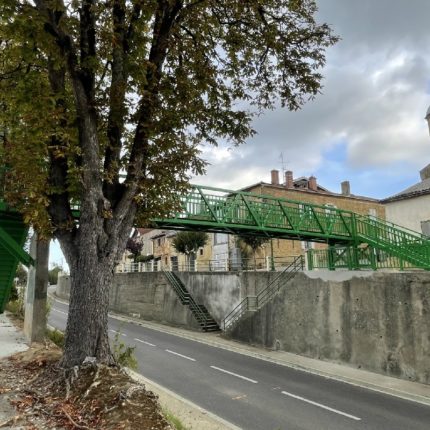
<point>87,324</point>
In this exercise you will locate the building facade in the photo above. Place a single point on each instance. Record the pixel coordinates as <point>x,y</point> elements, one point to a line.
<point>411,207</point>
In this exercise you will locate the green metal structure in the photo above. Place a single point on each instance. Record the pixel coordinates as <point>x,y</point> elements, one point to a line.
<point>13,233</point>
<point>216,210</point>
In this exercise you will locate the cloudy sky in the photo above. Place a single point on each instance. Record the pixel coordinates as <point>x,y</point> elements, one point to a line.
<point>368,124</point>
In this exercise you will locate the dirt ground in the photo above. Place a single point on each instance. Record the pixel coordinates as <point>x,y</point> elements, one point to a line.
<point>35,394</point>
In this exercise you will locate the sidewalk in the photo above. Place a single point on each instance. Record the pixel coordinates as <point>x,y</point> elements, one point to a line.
<point>12,340</point>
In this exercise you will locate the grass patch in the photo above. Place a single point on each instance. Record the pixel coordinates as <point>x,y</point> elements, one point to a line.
<point>174,421</point>
<point>123,354</point>
<point>15,307</point>
<point>56,336</point>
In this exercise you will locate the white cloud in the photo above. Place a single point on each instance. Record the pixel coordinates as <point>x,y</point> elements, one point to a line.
<point>374,99</point>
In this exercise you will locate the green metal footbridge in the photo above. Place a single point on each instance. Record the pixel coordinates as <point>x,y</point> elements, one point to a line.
<point>215,210</point>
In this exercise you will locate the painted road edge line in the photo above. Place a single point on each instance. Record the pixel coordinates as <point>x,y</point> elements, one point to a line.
<point>180,355</point>
<point>235,374</point>
<point>144,341</point>
<point>60,312</point>
<point>336,411</point>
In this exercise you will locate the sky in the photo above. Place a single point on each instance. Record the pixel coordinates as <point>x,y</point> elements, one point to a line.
<point>368,124</point>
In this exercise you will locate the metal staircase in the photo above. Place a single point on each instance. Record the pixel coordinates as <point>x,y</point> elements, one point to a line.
<point>199,311</point>
<point>400,242</point>
<point>254,303</point>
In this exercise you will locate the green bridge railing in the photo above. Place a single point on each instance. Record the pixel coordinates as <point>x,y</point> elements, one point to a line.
<point>350,258</point>
<point>217,210</point>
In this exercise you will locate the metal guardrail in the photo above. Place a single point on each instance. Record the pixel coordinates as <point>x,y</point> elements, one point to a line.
<point>253,303</point>
<point>405,244</point>
<point>219,265</point>
<point>187,299</point>
<point>349,258</point>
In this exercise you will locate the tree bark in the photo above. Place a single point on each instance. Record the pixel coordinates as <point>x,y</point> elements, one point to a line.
<point>87,324</point>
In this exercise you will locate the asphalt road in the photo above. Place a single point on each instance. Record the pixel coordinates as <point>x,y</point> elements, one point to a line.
<point>255,394</point>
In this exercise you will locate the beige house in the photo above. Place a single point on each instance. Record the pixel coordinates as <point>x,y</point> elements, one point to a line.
<point>411,207</point>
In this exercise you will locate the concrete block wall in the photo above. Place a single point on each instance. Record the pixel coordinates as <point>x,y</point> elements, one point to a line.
<point>375,321</point>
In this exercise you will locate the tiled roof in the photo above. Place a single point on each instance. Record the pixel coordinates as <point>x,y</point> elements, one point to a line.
<point>418,189</point>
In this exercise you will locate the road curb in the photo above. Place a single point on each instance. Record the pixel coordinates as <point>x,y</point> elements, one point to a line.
<point>191,415</point>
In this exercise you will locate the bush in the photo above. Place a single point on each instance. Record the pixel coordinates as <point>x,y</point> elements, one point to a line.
<point>56,336</point>
<point>123,354</point>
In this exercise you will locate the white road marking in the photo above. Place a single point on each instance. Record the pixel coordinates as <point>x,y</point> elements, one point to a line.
<point>180,355</point>
<point>146,343</point>
<point>60,312</point>
<point>235,374</point>
<point>321,406</point>
<point>117,332</point>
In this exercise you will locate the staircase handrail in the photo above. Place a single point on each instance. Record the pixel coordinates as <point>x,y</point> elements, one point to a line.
<point>375,220</point>
<point>179,289</point>
<point>264,295</point>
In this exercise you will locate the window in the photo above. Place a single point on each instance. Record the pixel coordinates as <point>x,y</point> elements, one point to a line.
<point>201,251</point>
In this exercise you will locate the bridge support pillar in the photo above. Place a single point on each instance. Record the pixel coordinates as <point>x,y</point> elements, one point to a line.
<point>36,292</point>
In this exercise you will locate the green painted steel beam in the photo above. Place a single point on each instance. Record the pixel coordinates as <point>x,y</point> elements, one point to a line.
<point>9,243</point>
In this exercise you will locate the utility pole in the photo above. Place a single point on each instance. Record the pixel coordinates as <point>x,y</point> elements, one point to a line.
<point>36,292</point>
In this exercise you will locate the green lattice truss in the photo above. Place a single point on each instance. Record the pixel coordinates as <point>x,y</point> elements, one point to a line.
<point>13,233</point>
<point>215,210</point>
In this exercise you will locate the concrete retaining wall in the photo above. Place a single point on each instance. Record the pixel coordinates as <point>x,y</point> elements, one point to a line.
<point>379,321</point>
<point>149,296</point>
<point>374,320</point>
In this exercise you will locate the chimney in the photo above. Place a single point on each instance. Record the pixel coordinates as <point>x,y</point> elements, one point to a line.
<point>275,177</point>
<point>289,182</point>
<point>312,183</point>
<point>346,188</point>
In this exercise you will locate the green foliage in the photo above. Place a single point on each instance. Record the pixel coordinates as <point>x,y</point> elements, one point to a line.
<point>152,82</point>
<point>135,247</point>
<point>53,274</point>
<point>252,242</point>
<point>123,354</point>
<point>15,307</point>
<point>13,296</point>
<point>21,276</point>
<point>188,242</point>
<point>16,304</point>
<point>56,336</point>
<point>144,258</point>
<point>174,421</point>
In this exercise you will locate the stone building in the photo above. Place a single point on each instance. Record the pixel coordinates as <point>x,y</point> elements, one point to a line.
<point>308,190</point>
